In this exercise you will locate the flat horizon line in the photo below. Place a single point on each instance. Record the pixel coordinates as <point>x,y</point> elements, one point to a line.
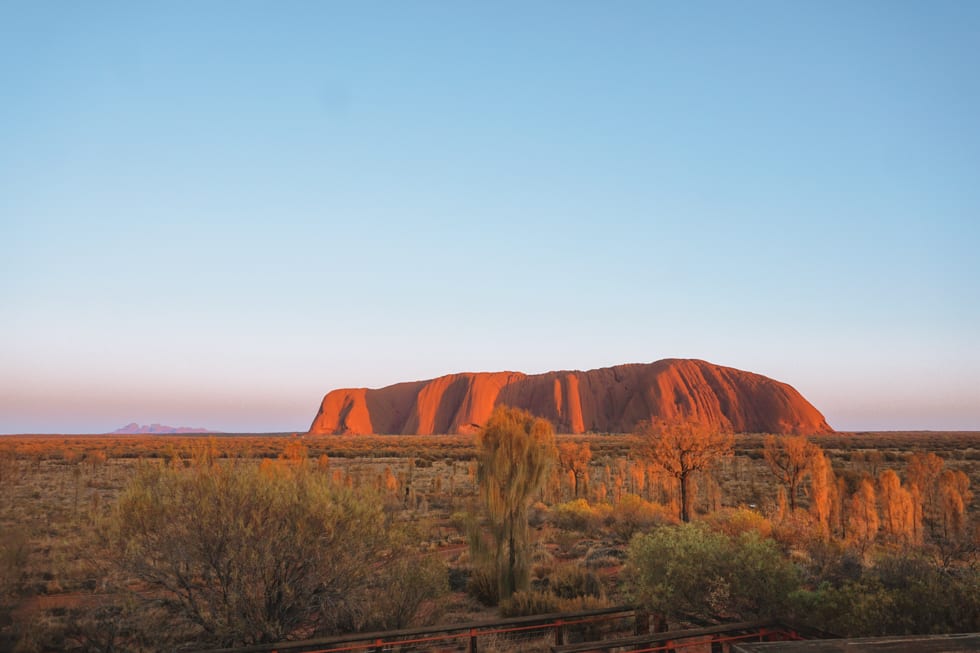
<point>291,433</point>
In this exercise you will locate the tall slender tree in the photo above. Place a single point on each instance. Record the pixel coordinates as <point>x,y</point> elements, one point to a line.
<point>515,456</point>
<point>863,519</point>
<point>954,490</point>
<point>922,473</point>
<point>824,486</point>
<point>897,509</point>
<point>789,458</point>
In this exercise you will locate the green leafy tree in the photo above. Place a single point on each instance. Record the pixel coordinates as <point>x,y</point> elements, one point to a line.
<point>515,456</point>
<point>690,571</point>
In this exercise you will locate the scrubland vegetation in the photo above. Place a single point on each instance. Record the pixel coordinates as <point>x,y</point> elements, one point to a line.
<point>159,543</point>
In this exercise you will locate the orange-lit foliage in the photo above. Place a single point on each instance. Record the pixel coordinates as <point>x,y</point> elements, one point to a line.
<point>601,492</point>
<point>839,510</point>
<point>95,458</point>
<point>295,454</point>
<point>736,521</point>
<point>954,490</point>
<point>897,508</point>
<point>632,514</point>
<point>638,477</point>
<point>390,482</point>
<point>789,458</point>
<point>823,487</point>
<point>940,497</point>
<point>574,459</point>
<point>923,471</point>
<point>682,449</point>
<point>863,519</point>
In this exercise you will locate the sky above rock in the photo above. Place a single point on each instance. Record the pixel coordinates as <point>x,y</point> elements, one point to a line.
<point>214,213</point>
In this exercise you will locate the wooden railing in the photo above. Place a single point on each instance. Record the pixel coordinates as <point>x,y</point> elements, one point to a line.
<point>468,637</point>
<point>718,638</point>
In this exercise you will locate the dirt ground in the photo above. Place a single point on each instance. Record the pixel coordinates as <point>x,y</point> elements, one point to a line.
<point>56,490</point>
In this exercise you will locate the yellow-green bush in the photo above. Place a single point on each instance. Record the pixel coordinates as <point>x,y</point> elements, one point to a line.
<point>248,555</point>
<point>579,516</point>
<point>691,571</point>
<point>633,514</point>
<point>735,521</point>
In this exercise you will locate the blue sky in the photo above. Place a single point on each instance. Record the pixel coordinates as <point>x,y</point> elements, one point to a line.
<point>211,213</point>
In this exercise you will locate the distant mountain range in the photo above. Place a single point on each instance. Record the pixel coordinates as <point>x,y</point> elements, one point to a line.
<point>158,429</point>
<point>607,400</point>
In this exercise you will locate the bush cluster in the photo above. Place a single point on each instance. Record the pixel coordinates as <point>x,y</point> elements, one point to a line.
<point>244,555</point>
<point>630,515</point>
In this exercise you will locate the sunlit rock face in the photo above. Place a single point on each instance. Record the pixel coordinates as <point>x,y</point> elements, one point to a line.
<point>606,400</point>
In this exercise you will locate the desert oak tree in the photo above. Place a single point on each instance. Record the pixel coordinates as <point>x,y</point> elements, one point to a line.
<point>683,448</point>
<point>790,458</point>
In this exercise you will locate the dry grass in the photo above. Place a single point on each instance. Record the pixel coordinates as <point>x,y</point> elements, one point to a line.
<point>57,489</point>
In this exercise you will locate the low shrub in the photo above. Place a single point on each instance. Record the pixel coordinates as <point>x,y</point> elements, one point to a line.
<point>897,595</point>
<point>572,581</point>
<point>579,516</point>
<point>690,571</point>
<point>735,521</point>
<point>797,530</point>
<point>526,603</point>
<point>482,586</point>
<point>632,514</point>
